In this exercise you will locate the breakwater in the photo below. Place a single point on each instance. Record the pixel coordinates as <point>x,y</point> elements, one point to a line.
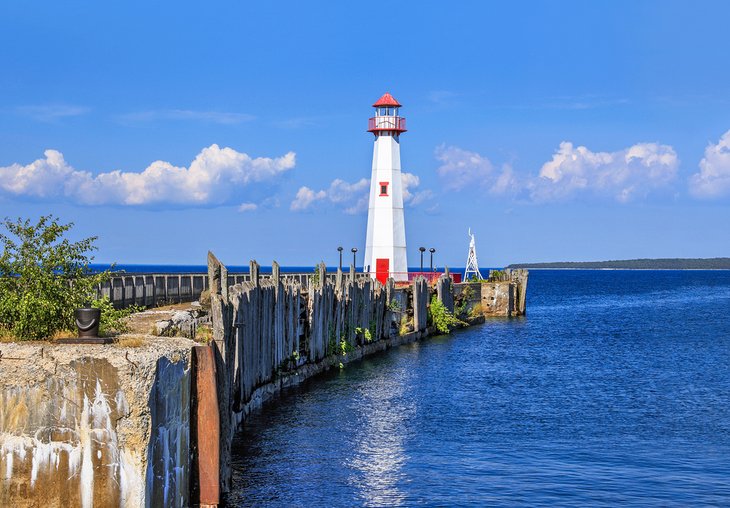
<point>152,425</point>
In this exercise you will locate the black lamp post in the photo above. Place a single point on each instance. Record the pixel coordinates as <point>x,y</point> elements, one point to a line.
<point>339,249</point>
<point>422,249</point>
<point>354,251</point>
<point>432,250</point>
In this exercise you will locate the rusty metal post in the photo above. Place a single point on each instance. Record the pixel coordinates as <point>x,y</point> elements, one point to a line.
<point>205,429</point>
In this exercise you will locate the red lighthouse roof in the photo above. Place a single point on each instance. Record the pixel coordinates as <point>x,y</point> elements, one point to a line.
<point>387,100</point>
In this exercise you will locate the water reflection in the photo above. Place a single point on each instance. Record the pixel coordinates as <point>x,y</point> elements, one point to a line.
<point>377,464</point>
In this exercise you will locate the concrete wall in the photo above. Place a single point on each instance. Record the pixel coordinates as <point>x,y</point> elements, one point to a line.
<point>502,298</point>
<point>79,423</point>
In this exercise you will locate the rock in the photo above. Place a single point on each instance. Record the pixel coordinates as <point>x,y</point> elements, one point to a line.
<point>204,299</point>
<point>181,317</point>
<point>162,327</point>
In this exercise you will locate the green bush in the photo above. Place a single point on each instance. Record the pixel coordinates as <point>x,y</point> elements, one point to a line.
<point>367,333</point>
<point>112,320</point>
<point>441,318</point>
<point>345,347</point>
<point>462,306</point>
<point>44,277</point>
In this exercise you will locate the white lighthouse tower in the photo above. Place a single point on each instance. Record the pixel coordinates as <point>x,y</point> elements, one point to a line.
<point>385,249</point>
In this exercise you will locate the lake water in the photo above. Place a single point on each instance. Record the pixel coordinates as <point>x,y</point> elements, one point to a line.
<point>614,389</point>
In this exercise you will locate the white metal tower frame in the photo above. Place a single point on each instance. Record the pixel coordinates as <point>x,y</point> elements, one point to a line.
<point>472,266</point>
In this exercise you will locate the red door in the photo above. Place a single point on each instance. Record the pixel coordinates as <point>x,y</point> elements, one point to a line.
<point>382,269</point>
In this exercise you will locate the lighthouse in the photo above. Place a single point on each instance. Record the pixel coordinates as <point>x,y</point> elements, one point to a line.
<point>385,248</point>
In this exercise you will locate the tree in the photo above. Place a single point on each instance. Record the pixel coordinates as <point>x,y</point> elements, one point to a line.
<point>44,277</point>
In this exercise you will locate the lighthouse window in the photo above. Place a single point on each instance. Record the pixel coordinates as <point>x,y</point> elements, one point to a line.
<point>383,188</point>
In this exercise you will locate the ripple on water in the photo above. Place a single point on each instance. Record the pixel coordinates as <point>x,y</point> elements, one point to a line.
<point>615,389</point>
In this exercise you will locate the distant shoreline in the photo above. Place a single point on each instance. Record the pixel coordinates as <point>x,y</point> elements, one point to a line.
<point>626,269</point>
<point>633,264</point>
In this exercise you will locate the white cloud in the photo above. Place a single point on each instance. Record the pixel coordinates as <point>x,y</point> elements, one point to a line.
<point>713,180</point>
<point>623,175</point>
<point>461,169</point>
<point>408,181</point>
<point>216,176</point>
<point>305,197</point>
<point>52,112</point>
<point>360,206</point>
<point>219,117</point>
<point>355,196</point>
<point>343,192</point>
<point>506,182</point>
<point>247,207</point>
<point>420,197</point>
<point>410,196</point>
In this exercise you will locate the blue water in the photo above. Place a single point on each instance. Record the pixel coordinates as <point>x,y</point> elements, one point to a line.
<point>613,390</point>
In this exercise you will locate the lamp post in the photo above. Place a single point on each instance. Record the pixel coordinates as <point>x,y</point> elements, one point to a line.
<point>339,249</point>
<point>422,249</point>
<point>431,250</point>
<point>354,251</point>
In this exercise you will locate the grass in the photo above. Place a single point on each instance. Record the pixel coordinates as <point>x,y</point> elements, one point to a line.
<point>204,334</point>
<point>130,341</point>
<point>476,311</point>
<point>405,325</point>
<point>6,336</point>
<point>62,334</point>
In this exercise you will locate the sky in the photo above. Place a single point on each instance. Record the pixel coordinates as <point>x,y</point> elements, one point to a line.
<point>555,130</point>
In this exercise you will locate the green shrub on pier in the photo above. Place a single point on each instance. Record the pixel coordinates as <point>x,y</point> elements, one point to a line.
<point>44,277</point>
<point>462,306</point>
<point>366,333</point>
<point>346,347</point>
<point>112,319</point>
<point>441,318</point>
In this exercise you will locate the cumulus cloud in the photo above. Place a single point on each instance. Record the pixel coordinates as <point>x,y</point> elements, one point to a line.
<point>247,207</point>
<point>713,180</point>
<point>411,196</point>
<point>461,169</point>
<point>341,191</point>
<point>305,197</point>
<point>216,176</point>
<point>623,175</point>
<point>354,196</point>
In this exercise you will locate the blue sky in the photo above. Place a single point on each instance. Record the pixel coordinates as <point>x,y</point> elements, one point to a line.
<point>555,130</point>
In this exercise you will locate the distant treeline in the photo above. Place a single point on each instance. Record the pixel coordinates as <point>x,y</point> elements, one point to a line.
<point>637,264</point>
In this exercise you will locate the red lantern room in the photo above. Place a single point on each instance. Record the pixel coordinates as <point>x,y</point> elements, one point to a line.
<point>386,120</point>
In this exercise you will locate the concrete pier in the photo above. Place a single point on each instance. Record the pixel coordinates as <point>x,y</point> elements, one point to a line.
<point>152,425</point>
